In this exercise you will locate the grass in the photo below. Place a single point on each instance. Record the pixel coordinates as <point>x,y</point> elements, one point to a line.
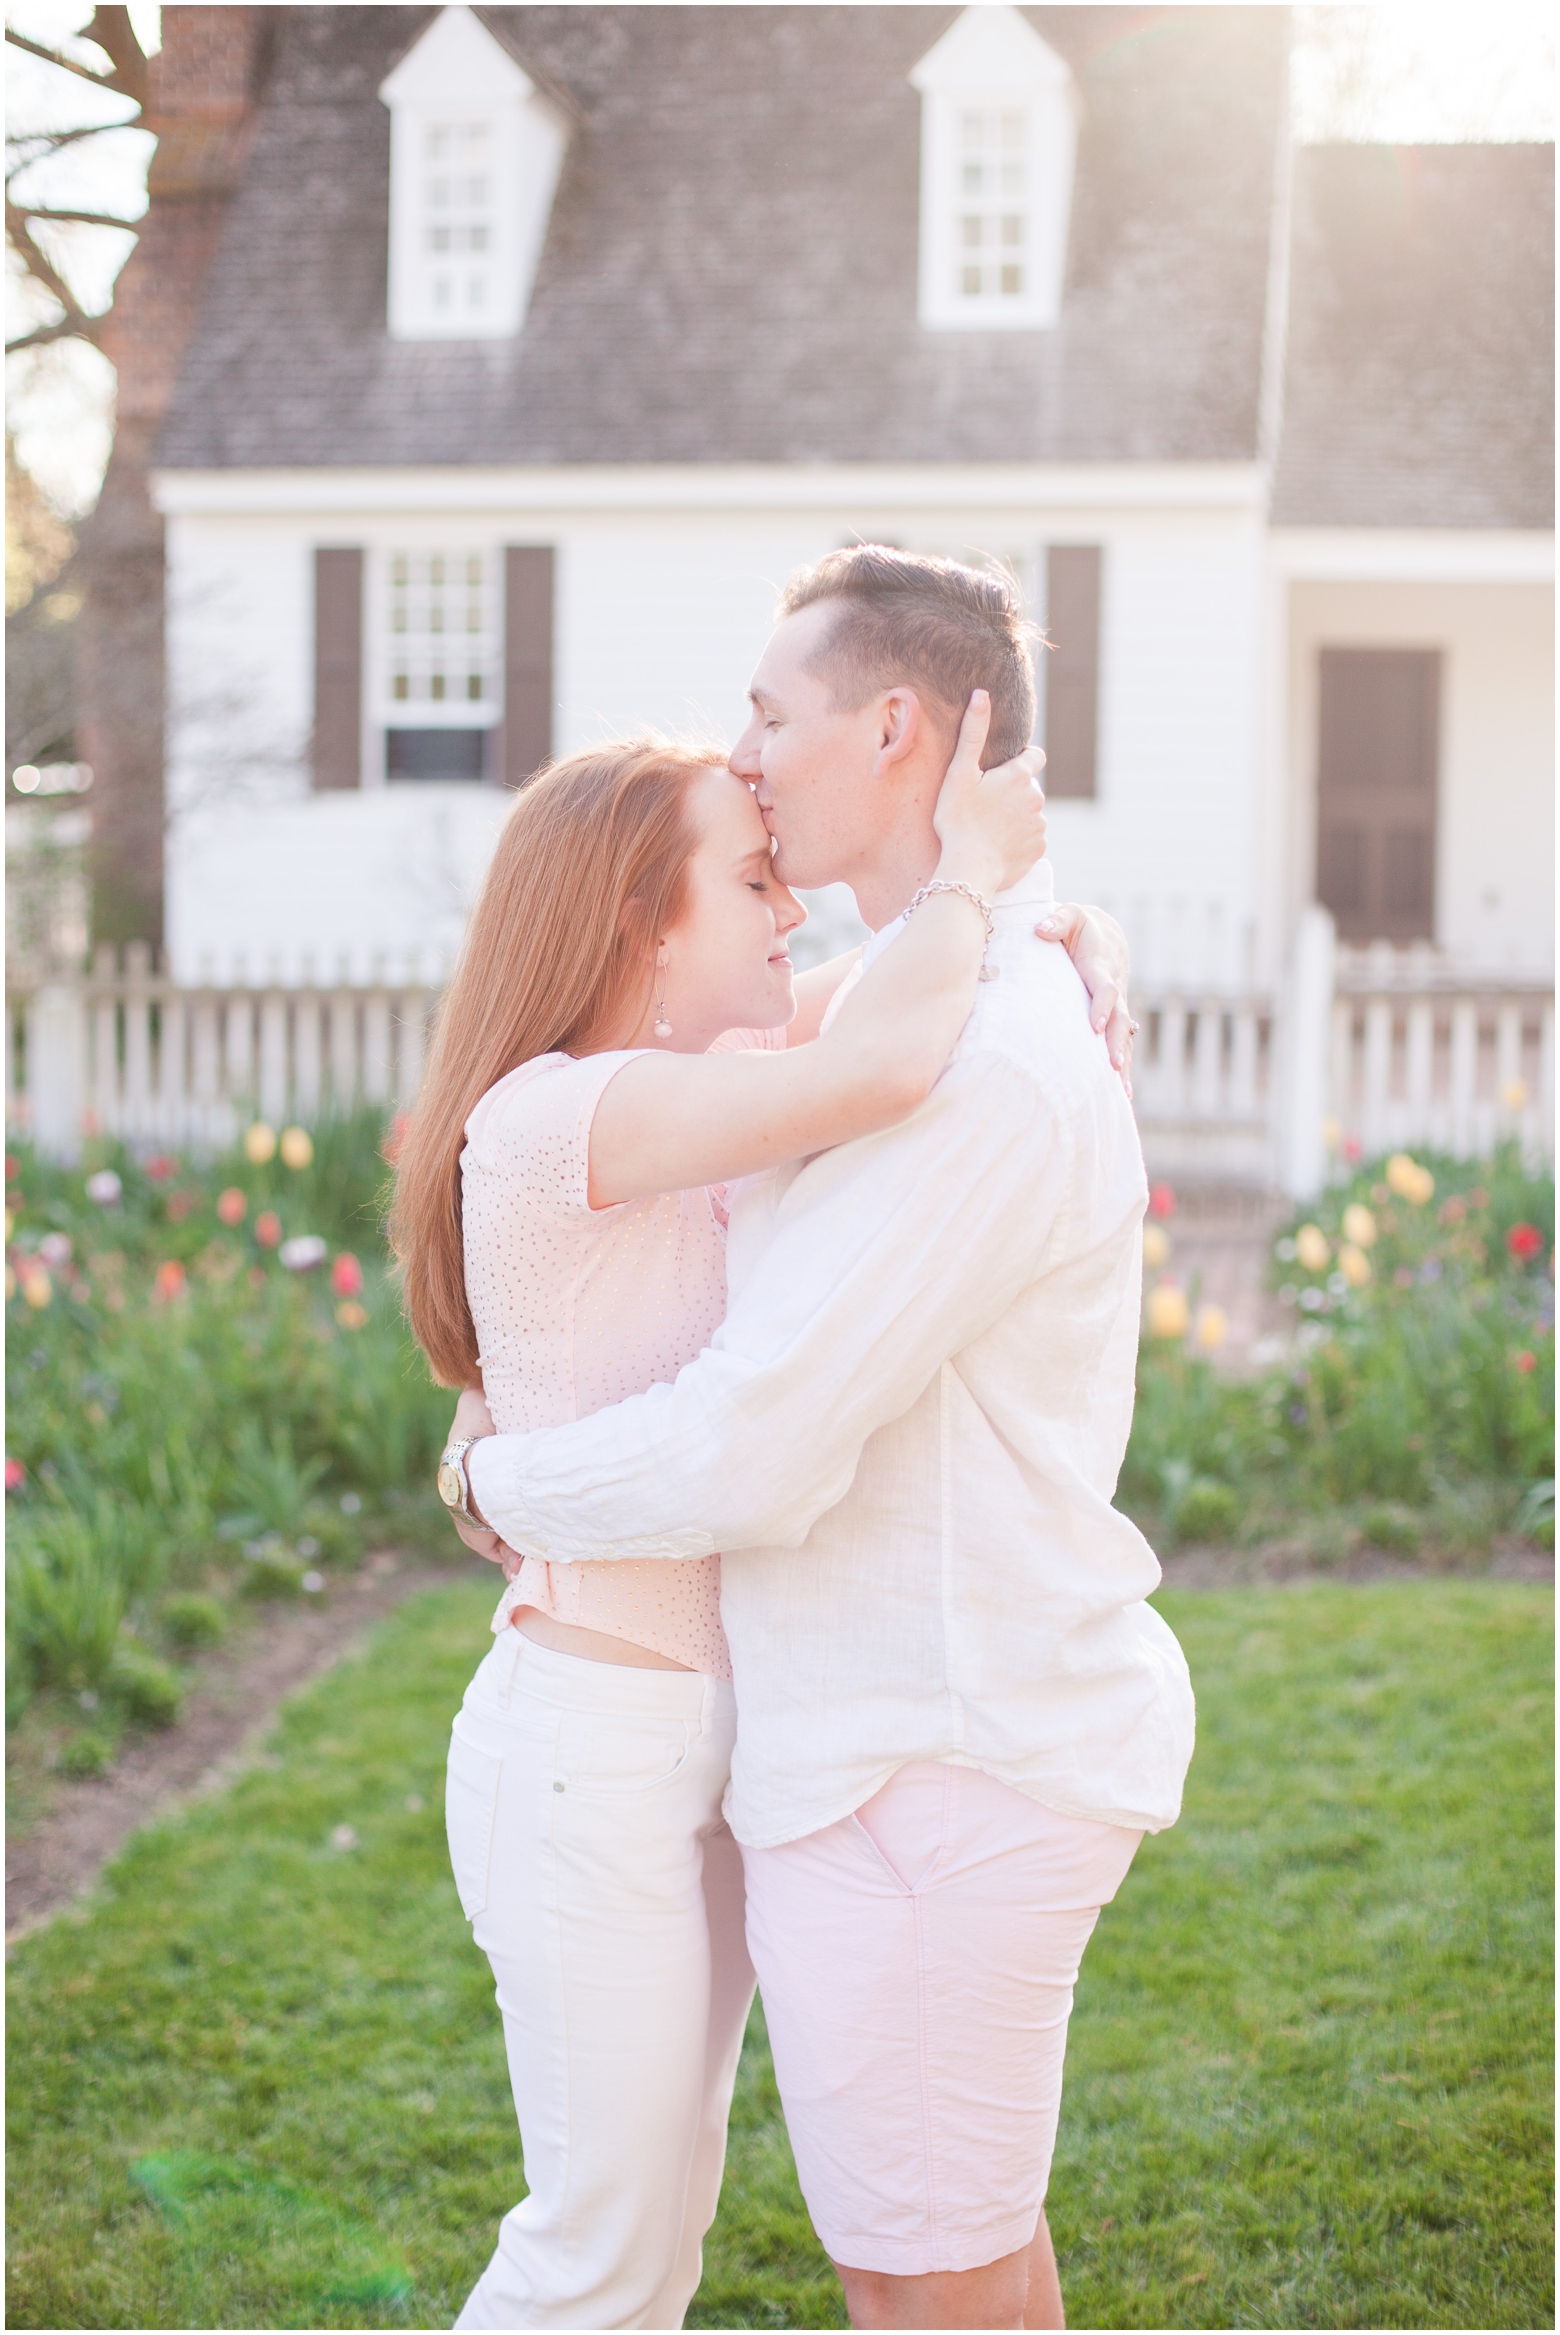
<point>259,2082</point>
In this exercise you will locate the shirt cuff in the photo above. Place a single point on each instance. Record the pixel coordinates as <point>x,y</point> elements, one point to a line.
<point>493,1473</point>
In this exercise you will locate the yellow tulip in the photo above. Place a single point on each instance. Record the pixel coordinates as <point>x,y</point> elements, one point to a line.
<point>1311,1248</point>
<point>1514,1093</point>
<point>297,1150</point>
<point>1422,1188</point>
<point>1156,1246</point>
<point>1168,1312</point>
<point>1332,1134</point>
<point>1403,1174</point>
<point>37,1288</point>
<point>1212,1326</point>
<point>1354,1265</point>
<point>260,1143</point>
<point>1359,1226</point>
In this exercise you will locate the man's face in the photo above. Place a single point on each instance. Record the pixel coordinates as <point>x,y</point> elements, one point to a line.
<point>811,762</point>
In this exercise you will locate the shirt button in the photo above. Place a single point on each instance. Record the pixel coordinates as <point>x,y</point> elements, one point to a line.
<point>557,1787</point>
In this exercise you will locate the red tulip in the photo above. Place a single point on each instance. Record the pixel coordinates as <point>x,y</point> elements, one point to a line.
<point>169,1282</point>
<point>162,1168</point>
<point>268,1229</point>
<point>1161,1200</point>
<point>346,1275</point>
<point>15,1475</point>
<point>232,1205</point>
<point>1525,1242</point>
<point>1525,1361</point>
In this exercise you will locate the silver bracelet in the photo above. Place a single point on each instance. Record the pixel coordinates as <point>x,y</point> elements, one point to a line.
<point>968,891</point>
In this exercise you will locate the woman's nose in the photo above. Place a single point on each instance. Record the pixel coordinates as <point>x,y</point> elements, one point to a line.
<point>789,912</point>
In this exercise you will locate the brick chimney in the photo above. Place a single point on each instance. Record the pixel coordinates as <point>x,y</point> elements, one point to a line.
<point>203,89</point>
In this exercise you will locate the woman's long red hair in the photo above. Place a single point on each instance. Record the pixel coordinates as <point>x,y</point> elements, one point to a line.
<point>591,867</point>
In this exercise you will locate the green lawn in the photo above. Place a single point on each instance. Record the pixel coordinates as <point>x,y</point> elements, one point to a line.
<point>260,2083</point>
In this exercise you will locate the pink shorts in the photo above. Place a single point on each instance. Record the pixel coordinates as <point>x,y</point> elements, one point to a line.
<point>917,1962</point>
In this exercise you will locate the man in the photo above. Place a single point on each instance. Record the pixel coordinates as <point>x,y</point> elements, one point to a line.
<point>957,1714</point>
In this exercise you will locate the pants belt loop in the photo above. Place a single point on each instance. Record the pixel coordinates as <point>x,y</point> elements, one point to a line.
<point>508,1687</point>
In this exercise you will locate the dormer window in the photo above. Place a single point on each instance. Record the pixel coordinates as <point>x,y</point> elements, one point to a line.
<point>475,152</point>
<point>458,234</point>
<point>998,140</point>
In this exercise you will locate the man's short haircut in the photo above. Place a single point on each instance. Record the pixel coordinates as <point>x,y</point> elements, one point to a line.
<point>942,628</point>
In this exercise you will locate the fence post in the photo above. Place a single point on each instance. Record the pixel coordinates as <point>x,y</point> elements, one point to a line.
<point>56,1070</point>
<point>1308,1019</point>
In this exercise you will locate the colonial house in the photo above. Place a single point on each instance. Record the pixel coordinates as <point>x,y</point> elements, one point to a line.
<point>535,346</point>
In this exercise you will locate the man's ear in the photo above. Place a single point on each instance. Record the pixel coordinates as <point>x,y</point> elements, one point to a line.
<point>899,728</point>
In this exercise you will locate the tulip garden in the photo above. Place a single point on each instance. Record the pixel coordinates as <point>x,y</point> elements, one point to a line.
<point>1411,1403</point>
<point>212,1396</point>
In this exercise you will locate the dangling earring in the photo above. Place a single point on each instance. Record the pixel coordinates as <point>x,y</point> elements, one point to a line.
<point>663,1028</point>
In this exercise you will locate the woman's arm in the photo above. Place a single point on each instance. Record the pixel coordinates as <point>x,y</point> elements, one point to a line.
<point>814,991</point>
<point>670,1121</point>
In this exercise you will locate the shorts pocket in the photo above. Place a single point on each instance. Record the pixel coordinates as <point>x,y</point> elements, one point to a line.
<point>620,1756</point>
<point>471,1778</point>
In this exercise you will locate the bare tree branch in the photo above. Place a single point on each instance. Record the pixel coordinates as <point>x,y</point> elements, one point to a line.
<point>45,144</point>
<point>114,33</point>
<point>43,271</point>
<point>73,327</point>
<point>19,40</point>
<point>76,218</point>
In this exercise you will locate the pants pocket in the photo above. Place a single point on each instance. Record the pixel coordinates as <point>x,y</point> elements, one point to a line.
<point>471,1779</point>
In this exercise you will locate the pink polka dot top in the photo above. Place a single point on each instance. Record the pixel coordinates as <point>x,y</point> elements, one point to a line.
<point>578,1307</point>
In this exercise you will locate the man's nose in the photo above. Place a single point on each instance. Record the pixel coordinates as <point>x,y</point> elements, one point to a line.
<point>743,761</point>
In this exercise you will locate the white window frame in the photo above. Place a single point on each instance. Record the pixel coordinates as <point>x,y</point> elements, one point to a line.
<point>992,66</point>
<point>459,83</point>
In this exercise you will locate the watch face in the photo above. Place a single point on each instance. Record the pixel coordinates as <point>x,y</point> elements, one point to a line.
<point>449,1484</point>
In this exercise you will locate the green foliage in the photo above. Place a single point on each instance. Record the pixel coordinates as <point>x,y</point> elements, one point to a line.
<point>1388,1526</point>
<point>1208,1510</point>
<point>190,1416</point>
<point>1419,1377</point>
<point>146,1690</point>
<point>192,1622</point>
<point>86,1754</point>
<point>1308,2074</point>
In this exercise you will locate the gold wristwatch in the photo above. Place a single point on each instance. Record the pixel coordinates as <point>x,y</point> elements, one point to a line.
<point>452,1480</point>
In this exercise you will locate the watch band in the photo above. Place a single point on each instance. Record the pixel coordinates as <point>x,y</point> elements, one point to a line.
<point>454,1485</point>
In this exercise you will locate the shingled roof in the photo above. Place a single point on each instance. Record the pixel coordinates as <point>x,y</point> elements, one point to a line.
<point>1420,376</point>
<point>730,268</point>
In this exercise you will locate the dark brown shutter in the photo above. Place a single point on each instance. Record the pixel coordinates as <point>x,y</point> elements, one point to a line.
<point>1072,672</point>
<point>528,660</point>
<point>1378,749</point>
<point>338,668</point>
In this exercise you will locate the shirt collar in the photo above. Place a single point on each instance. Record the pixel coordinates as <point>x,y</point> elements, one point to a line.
<point>1036,890</point>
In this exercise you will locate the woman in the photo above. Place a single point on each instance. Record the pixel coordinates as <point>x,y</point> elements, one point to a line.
<point>623,1034</point>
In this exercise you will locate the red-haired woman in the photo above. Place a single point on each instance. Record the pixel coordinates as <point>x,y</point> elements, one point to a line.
<point>622,1036</point>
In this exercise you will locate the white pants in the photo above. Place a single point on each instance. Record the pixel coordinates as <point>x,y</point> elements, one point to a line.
<point>583,1805</point>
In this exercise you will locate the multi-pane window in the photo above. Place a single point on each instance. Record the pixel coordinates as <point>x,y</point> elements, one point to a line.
<point>458,221</point>
<point>991,249</point>
<point>440,634</point>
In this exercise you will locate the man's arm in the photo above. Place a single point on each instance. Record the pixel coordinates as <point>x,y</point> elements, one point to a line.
<point>892,1254</point>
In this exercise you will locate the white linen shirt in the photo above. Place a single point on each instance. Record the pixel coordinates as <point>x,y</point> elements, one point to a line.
<point>905,1437</point>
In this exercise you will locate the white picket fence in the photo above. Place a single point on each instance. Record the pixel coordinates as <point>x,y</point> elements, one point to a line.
<point>1382,1048</point>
